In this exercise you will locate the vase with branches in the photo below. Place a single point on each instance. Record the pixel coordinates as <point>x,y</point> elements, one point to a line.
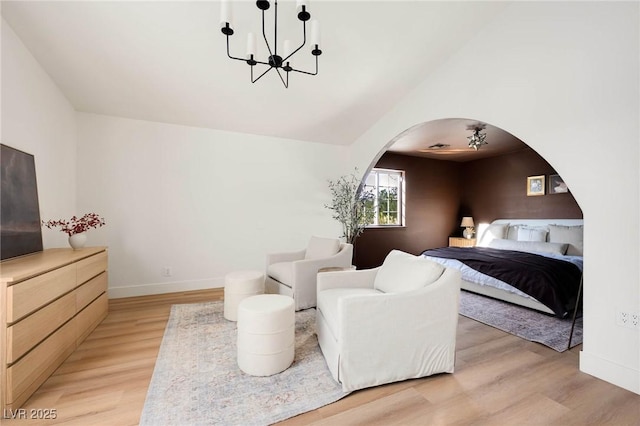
<point>76,227</point>
<point>351,205</point>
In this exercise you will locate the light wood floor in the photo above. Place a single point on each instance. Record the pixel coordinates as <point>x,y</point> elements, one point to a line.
<point>499,380</point>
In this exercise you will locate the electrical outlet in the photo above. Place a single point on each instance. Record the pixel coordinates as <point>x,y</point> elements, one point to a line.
<point>622,318</point>
<point>165,271</point>
<point>627,319</point>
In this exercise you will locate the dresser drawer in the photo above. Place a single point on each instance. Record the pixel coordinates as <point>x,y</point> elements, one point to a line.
<point>25,376</point>
<point>91,316</point>
<point>90,290</point>
<point>27,296</point>
<point>90,267</point>
<point>27,333</point>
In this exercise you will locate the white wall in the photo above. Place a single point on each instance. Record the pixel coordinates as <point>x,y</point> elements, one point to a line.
<point>200,201</point>
<point>563,77</point>
<point>38,119</point>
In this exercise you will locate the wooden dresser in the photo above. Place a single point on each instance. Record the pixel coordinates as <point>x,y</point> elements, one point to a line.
<point>49,303</point>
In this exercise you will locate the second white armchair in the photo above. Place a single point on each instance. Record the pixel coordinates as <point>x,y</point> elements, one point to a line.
<point>390,323</point>
<point>294,273</point>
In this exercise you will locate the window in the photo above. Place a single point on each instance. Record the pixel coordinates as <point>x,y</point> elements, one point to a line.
<point>387,200</point>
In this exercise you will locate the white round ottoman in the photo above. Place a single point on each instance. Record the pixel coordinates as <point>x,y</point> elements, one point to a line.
<point>238,286</point>
<point>266,334</point>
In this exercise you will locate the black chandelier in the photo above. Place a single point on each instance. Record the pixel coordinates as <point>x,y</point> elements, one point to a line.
<point>477,139</point>
<point>274,61</point>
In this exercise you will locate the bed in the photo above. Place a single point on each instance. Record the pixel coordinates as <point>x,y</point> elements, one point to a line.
<point>536,263</point>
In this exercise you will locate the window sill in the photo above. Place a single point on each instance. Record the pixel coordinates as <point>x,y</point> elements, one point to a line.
<point>385,227</point>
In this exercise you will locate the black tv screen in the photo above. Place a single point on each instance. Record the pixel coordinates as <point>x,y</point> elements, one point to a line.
<point>20,229</point>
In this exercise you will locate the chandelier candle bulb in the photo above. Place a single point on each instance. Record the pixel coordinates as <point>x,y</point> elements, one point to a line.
<point>315,33</point>
<point>226,13</point>
<point>251,45</point>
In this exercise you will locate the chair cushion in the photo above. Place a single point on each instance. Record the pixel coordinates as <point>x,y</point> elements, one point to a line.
<point>402,272</point>
<point>328,303</point>
<point>281,272</point>
<point>319,248</point>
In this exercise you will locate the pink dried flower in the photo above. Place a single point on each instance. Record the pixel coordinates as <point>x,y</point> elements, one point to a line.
<point>76,225</point>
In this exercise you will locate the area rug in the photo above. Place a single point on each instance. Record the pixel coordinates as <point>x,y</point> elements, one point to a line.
<point>522,322</point>
<point>196,380</point>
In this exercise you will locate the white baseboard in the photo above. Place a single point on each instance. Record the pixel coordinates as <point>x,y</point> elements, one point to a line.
<point>163,288</point>
<point>619,375</point>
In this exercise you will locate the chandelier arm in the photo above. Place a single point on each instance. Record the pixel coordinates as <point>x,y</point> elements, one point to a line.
<point>264,35</point>
<point>286,84</point>
<point>261,75</point>
<point>307,72</point>
<point>233,57</point>
<point>263,63</point>
<point>243,59</point>
<point>304,41</point>
<point>275,29</point>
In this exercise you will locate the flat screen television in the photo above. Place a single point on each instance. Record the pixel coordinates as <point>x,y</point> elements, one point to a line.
<point>20,228</point>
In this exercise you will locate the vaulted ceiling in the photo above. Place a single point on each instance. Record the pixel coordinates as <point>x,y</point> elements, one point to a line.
<point>166,61</point>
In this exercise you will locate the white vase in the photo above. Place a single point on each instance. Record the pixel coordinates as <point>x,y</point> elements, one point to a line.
<point>77,241</point>
<point>467,233</point>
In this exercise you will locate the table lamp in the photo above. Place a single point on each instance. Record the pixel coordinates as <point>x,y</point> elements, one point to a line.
<point>467,224</point>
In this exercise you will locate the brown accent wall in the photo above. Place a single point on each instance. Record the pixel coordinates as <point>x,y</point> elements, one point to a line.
<point>433,195</point>
<point>439,193</point>
<point>496,187</point>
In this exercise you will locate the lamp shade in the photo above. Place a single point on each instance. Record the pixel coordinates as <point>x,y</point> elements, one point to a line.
<point>467,221</point>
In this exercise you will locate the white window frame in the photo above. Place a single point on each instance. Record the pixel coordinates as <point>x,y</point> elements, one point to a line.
<point>401,197</point>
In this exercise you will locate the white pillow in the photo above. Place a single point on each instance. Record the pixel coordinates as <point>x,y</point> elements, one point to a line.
<point>495,230</point>
<point>402,272</point>
<point>529,246</point>
<point>572,235</point>
<point>512,233</point>
<point>526,233</point>
<point>319,248</point>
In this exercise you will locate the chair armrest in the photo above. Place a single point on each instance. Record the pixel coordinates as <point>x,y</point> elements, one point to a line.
<point>289,256</point>
<point>302,268</point>
<point>362,278</point>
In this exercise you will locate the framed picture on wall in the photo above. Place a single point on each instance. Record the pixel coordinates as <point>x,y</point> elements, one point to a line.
<point>535,185</point>
<point>557,185</point>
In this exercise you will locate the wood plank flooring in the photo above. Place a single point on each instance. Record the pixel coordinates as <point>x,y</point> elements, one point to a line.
<point>499,380</point>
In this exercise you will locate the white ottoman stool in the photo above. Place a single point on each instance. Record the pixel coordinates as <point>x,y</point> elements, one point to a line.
<point>266,334</point>
<point>238,286</point>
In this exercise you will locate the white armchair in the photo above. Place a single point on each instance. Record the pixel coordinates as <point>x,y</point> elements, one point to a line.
<point>294,273</point>
<point>390,323</point>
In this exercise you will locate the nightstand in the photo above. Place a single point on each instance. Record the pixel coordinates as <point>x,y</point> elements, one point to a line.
<point>461,242</point>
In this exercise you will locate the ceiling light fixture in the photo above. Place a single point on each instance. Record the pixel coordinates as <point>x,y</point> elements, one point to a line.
<point>439,146</point>
<point>274,61</point>
<point>477,139</point>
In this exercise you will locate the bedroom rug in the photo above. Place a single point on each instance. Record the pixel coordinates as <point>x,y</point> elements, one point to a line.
<point>196,380</point>
<point>522,322</point>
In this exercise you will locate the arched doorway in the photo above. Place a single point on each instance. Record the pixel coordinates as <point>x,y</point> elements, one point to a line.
<point>446,180</point>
